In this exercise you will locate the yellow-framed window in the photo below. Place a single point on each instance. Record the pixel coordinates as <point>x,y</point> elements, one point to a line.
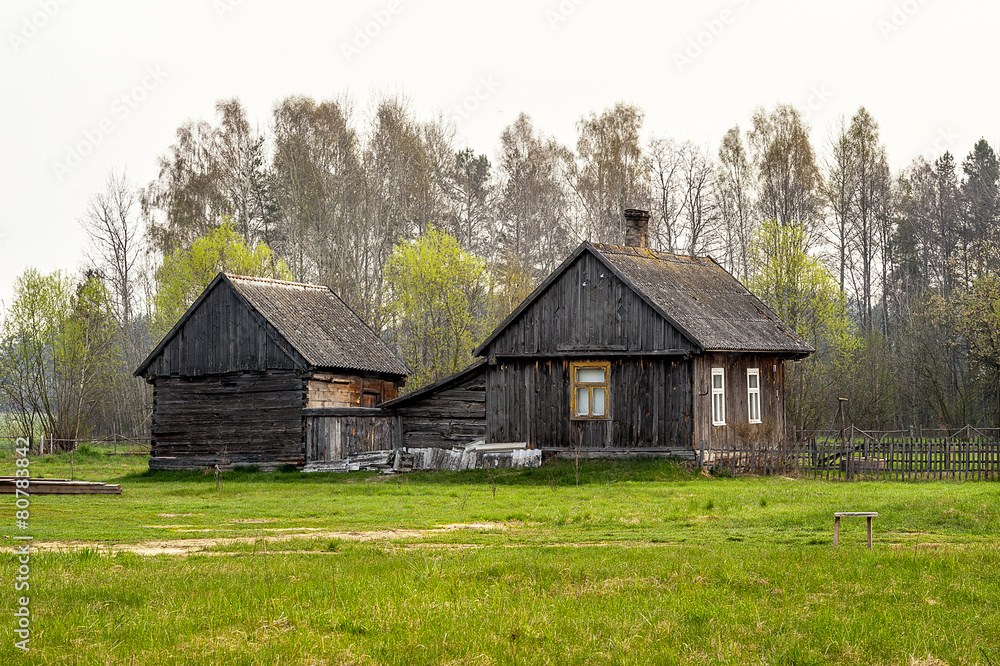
<point>589,395</point>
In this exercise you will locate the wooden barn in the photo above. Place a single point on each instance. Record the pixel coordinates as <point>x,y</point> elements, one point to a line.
<point>626,349</point>
<point>258,368</point>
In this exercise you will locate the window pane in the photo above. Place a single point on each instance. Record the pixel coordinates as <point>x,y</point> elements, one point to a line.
<point>752,380</point>
<point>598,402</point>
<point>582,401</point>
<point>590,375</point>
<point>716,381</point>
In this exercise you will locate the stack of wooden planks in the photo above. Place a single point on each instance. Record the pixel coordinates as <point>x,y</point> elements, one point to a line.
<point>476,455</point>
<point>59,487</point>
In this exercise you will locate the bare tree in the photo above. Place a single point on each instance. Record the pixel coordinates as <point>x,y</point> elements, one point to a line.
<point>117,252</point>
<point>840,190</point>
<point>534,203</point>
<point>736,206</point>
<point>665,168</point>
<point>117,246</point>
<point>788,180</point>
<point>699,199</point>
<point>607,175</point>
<point>241,167</point>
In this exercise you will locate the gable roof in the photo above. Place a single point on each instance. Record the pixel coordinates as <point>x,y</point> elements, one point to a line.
<point>312,319</point>
<point>695,294</point>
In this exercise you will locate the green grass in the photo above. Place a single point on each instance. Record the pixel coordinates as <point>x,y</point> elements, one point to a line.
<point>640,562</point>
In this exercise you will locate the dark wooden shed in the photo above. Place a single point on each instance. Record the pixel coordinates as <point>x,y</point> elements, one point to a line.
<point>450,412</point>
<point>251,362</point>
<point>626,349</point>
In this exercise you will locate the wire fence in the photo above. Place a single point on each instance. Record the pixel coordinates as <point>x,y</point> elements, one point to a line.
<point>112,446</point>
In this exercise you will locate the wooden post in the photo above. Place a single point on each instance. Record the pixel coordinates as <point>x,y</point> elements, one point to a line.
<point>869,532</point>
<point>836,530</point>
<point>843,439</point>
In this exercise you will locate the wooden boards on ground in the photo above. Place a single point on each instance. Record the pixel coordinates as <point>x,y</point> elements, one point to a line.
<point>59,487</point>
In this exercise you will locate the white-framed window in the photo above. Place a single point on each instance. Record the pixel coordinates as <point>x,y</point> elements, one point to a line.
<point>753,394</point>
<point>718,397</point>
<point>589,397</point>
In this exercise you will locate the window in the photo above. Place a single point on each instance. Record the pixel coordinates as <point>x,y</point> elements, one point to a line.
<point>590,390</point>
<point>753,394</point>
<point>718,397</point>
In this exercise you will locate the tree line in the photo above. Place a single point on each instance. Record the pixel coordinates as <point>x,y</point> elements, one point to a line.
<point>891,276</point>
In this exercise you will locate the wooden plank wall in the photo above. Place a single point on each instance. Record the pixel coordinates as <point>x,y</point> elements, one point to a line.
<point>248,418</point>
<point>334,390</point>
<point>649,405</point>
<point>223,335</point>
<point>738,427</point>
<point>588,307</point>
<point>335,437</point>
<point>453,416</point>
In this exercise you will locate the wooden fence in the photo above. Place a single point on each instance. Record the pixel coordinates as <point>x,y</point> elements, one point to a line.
<point>972,455</point>
<point>118,446</point>
<point>335,433</point>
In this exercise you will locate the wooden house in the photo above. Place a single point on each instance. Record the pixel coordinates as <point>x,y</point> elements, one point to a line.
<point>257,366</point>
<point>626,349</point>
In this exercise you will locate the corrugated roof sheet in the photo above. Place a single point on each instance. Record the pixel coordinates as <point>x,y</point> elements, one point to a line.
<point>704,300</point>
<point>319,325</point>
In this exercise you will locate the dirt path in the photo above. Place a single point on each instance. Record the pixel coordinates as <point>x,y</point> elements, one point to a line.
<point>201,545</point>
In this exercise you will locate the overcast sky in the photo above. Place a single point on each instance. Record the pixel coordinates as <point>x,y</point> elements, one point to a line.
<point>94,85</point>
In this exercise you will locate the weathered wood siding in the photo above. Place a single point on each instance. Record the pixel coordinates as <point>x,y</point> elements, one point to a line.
<point>649,405</point>
<point>224,335</point>
<point>453,416</point>
<point>332,434</point>
<point>738,427</point>
<point>335,390</point>
<point>588,308</point>
<point>244,418</point>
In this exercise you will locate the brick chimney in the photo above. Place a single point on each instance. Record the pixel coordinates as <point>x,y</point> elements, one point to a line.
<point>636,227</point>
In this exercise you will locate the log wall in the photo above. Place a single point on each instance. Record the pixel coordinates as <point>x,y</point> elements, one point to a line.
<point>237,418</point>
<point>452,416</point>
<point>649,406</point>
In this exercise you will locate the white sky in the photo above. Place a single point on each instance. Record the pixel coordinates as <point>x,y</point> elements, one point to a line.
<point>927,71</point>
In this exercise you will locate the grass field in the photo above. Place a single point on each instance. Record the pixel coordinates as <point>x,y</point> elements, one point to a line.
<point>625,563</point>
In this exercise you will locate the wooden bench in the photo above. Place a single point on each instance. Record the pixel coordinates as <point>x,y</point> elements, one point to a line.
<point>858,514</point>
